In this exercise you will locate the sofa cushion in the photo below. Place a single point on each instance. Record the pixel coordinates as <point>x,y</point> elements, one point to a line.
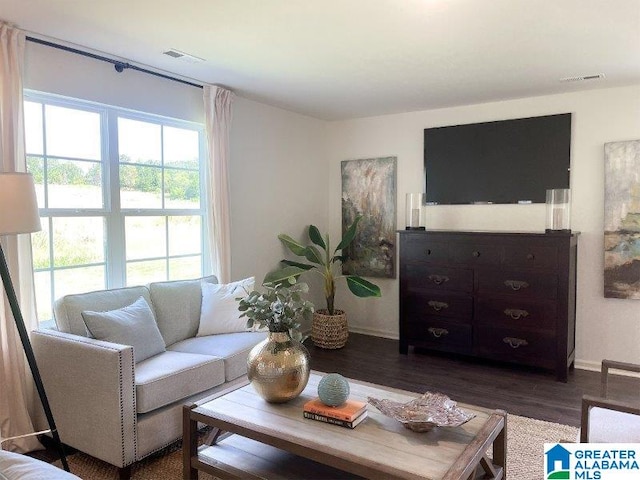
<point>233,348</point>
<point>172,376</point>
<point>14,466</point>
<point>606,426</point>
<point>177,307</point>
<point>68,309</point>
<point>219,312</point>
<point>132,325</point>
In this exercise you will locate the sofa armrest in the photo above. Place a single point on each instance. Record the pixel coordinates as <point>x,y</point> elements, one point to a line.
<point>90,386</point>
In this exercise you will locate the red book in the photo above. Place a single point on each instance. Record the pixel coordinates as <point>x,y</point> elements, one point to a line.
<point>348,411</point>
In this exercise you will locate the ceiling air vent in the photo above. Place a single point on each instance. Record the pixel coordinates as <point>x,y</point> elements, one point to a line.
<point>172,52</point>
<point>597,76</point>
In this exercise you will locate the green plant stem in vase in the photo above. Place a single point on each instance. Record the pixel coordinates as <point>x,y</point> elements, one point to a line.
<point>279,308</point>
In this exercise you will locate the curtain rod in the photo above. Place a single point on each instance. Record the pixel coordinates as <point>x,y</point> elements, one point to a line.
<point>118,65</point>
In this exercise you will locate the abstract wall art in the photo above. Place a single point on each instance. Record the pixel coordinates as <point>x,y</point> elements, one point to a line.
<point>622,220</point>
<point>369,189</point>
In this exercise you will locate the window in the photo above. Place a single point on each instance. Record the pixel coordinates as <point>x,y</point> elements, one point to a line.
<point>120,196</point>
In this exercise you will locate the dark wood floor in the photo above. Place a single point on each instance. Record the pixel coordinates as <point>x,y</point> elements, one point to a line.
<point>519,390</point>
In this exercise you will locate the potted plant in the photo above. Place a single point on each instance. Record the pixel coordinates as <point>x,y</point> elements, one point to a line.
<point>278,308</point>
<point>278,367</point>
<point>329,326</point>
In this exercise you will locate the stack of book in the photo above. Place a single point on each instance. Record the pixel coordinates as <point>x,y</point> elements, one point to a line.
<point>348,415</point>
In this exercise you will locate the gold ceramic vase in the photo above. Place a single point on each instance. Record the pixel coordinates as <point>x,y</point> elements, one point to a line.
<point>278,367</point>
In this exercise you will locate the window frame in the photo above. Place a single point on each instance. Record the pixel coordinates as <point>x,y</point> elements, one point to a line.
<point>114,243</point>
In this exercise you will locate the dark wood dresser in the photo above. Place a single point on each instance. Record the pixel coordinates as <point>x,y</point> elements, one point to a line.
<point>506,296</point>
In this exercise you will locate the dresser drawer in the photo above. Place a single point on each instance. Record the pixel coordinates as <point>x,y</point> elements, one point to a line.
<point>417,248</point>
<point>468,253</point>
<point>515,345</point>
<point>418,305</point>
<point>522,284</point>
<point>439,334</point>
<point>433,277</point>
<point>531,256</point>
<point>515,312</point>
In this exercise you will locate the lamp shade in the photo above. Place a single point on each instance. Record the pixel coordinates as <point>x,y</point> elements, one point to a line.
<point>18,204</point>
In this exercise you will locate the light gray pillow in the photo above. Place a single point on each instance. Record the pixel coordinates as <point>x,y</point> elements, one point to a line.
<point>133,325</point>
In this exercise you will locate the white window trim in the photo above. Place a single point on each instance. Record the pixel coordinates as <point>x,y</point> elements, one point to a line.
<point>114,254</point>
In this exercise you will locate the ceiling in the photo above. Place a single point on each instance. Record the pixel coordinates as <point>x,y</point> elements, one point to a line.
<point>337,59</point>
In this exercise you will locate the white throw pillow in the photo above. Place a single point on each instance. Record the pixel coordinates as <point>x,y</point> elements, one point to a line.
<point>133,325</point>
<point>219,312</point>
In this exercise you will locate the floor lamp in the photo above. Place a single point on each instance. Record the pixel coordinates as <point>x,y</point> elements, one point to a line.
<point>19,214</point>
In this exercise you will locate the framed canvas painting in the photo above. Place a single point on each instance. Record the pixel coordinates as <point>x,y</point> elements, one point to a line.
<point>369,190</point>
<point>622,220</point>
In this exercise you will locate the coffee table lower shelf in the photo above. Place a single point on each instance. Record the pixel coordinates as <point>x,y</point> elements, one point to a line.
<point>259,461</point>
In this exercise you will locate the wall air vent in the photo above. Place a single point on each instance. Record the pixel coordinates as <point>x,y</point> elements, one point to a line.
<point>172,52</point>
<point>597,76</point>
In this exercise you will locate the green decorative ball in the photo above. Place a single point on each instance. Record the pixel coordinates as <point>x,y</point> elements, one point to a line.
<point>333,389</point>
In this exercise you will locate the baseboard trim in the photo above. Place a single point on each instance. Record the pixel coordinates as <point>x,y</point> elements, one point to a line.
<point>374,333</point>
<point>597,366</point>
<point>589,365</point>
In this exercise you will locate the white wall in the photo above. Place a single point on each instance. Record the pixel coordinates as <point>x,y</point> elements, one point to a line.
<point>278,182</point>
<point>606,328</point>
<point>52,70</point>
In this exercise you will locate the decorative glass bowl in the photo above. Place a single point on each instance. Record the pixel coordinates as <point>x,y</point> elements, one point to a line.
<point>425,412</point>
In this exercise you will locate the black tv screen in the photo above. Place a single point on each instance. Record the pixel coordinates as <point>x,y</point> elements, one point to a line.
<point>508,161</point>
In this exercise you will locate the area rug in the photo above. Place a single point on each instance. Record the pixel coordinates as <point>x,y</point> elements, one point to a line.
<point>525,443</point>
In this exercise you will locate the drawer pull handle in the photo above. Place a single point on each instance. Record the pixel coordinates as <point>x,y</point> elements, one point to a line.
<point>438,332</point>
<point>476,254</point>
<point>438,279</point>
<point>428,251</point>
<point>516,284</point>
<point>515,313</point>
<point>437,306</point>
<point>515,342</point>
<point>530,256</point>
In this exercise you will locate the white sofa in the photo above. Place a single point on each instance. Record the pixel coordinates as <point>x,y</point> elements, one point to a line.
<point>107,405</point>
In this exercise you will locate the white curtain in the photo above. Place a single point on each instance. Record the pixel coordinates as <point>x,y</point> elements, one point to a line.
<point>17,391</point>
<point>217,106</point>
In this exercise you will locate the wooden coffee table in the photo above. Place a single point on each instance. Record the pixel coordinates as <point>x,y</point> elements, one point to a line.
<point>275,441</point>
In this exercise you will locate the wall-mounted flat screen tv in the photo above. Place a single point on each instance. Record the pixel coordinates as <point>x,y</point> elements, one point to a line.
<point>507,161</point>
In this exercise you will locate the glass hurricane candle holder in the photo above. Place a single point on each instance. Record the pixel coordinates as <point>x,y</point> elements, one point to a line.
<point>414,218</point>
<point>558,210</point>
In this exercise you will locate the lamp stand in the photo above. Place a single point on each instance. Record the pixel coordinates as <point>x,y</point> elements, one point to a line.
<point>31,359</point>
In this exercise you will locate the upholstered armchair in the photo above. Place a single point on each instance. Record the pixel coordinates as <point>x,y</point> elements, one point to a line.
<point>605,420</point>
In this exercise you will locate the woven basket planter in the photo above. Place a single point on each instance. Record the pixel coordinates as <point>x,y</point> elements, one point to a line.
<point>329,331</point>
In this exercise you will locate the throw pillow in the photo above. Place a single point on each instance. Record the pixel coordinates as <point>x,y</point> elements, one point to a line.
<point>219,312</point>
<point>133,325</point>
